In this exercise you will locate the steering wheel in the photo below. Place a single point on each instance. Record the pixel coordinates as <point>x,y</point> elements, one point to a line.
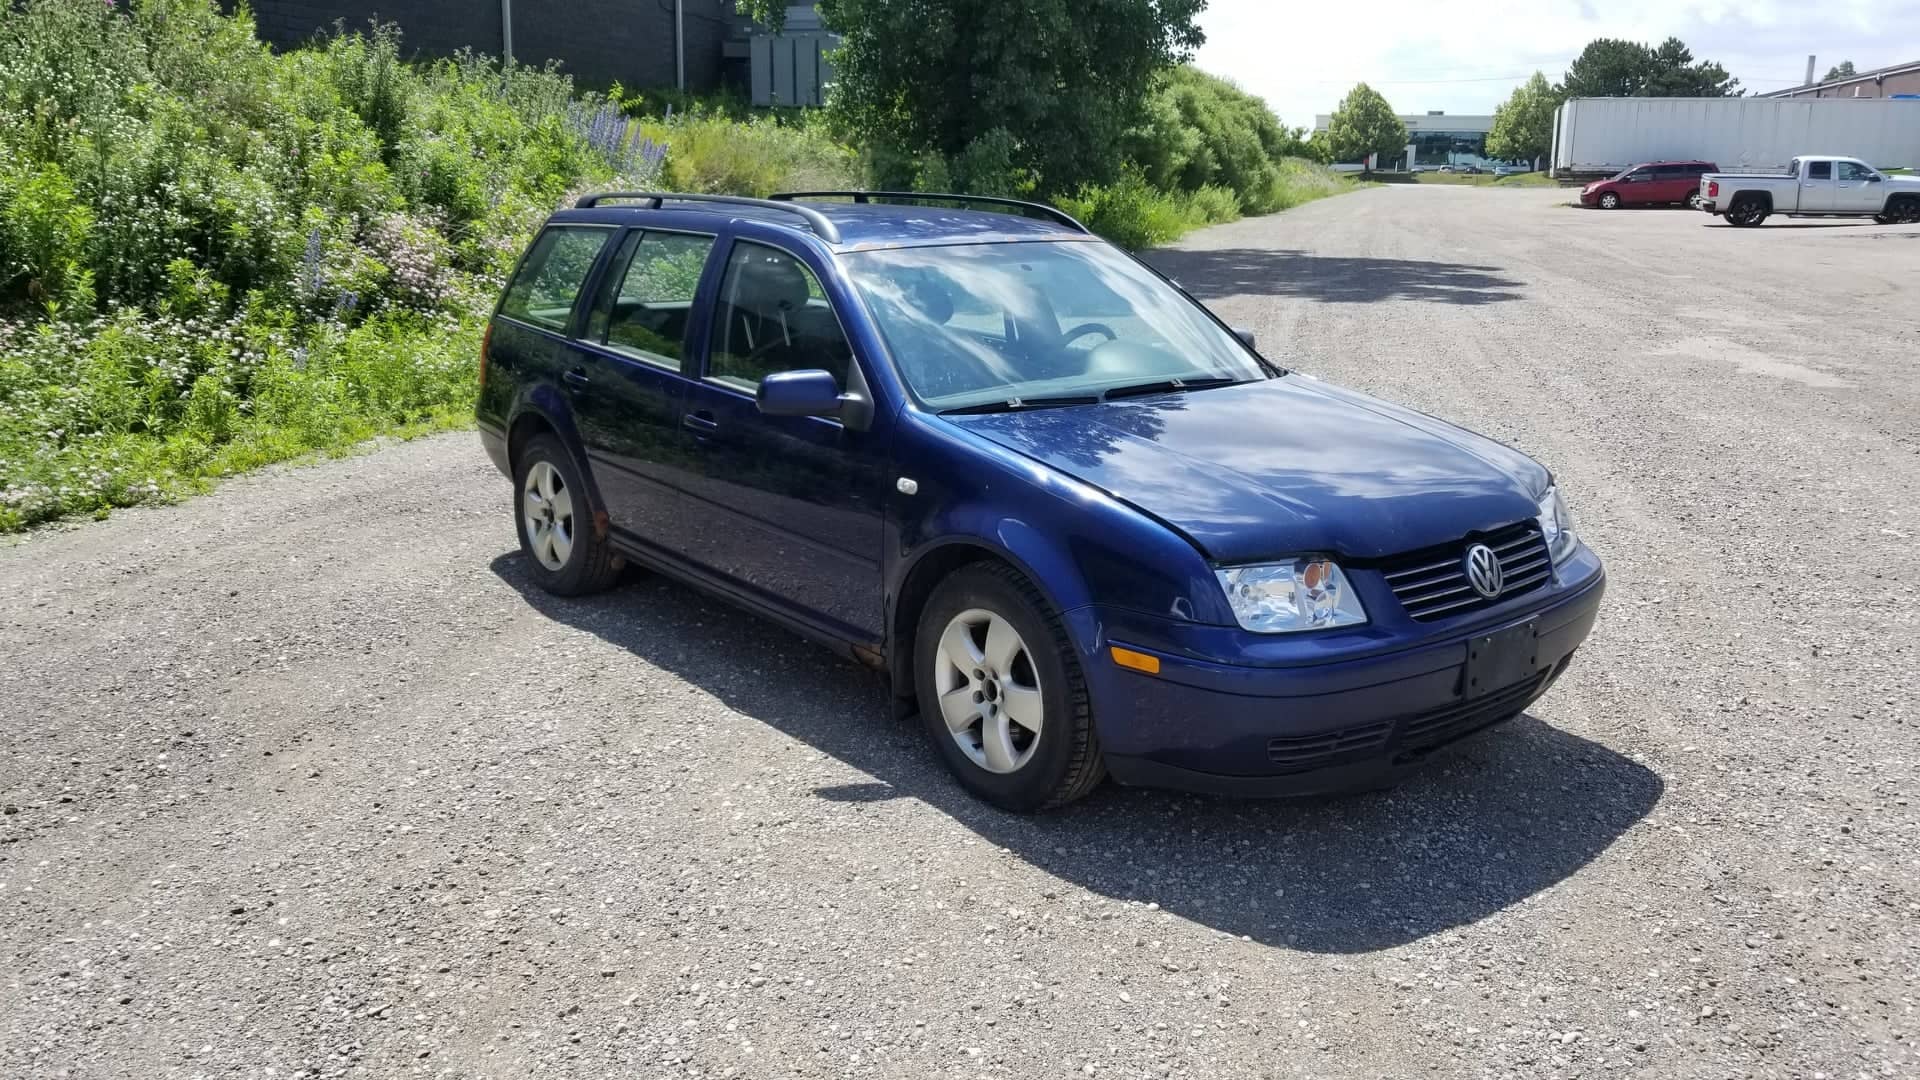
<point>1087,328</point>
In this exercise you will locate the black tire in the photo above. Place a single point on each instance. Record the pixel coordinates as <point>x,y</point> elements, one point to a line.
<point>1746,213</point>
<point>590,564</point>
<point>1065,764</point>
<point>1609,201</point>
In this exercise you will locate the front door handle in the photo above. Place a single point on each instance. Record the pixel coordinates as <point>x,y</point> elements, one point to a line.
<point>576,377</point>
<point>700,423</point>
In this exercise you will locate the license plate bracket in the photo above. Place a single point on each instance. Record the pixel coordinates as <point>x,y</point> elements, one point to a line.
<point>1501,659</point>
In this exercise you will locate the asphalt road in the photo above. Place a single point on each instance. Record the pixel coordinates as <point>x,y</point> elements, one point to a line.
<point>302,778</point>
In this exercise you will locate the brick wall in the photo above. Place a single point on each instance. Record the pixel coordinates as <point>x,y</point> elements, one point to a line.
<point>599,41</point>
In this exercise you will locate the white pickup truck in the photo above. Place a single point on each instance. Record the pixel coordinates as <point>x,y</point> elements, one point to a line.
<point>1812,187</point>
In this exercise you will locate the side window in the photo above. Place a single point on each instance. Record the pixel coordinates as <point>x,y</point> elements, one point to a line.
<point>1819,170</point>
<point>648,296</point>
<point>772,316</point>
<point>549,281</point>
<point>1669,172</point>
<point>1853,170</point>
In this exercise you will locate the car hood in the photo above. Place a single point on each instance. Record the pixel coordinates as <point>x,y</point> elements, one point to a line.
<point>1281,466</point>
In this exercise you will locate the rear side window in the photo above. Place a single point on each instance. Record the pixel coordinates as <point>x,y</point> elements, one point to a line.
<point>772,317</point>
<point>1819,170</point>
<point>550,279</point>
<point>648,296</point>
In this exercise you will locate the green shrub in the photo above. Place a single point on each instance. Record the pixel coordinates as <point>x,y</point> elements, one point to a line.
<point>1130,212</point>
<point>757,157</point>
<point>1199,130</point>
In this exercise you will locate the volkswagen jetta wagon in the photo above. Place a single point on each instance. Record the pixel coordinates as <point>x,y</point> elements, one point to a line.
<point>1083,527</point>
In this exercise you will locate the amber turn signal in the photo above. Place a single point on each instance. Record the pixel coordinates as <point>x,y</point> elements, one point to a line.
<point>1137,661</point>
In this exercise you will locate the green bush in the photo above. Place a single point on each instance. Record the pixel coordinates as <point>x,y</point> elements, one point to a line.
<point>1131,212</point>
<point>1199,130</point>
<point>212,257</point>
<point>712,155</point>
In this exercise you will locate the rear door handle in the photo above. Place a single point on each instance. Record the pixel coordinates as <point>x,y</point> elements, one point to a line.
<point>577,377</point>
<point>700,423</point>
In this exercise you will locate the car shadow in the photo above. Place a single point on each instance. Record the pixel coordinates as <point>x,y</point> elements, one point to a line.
<point>1489,824</point>
<point>1220,273</point>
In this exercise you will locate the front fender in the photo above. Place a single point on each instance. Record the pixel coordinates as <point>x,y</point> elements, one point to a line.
<point>1078,546</point>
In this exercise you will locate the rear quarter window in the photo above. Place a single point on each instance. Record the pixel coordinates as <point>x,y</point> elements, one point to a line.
<point>549,281</point>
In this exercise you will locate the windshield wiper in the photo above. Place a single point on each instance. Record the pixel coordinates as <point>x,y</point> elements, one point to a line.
<point>1018,404</point>
<point>1169,386</point>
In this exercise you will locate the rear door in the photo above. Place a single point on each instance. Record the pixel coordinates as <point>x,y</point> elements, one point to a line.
<point>1669,184</point>
<point>532,332</point>
<point>786,509</point>
<point>1816,187</point>
<point>630,387</point>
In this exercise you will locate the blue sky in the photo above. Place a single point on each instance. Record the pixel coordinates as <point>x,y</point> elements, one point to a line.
<point>1467,56</point>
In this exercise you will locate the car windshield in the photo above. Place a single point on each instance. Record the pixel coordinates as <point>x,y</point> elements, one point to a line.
<point>1038,323</point>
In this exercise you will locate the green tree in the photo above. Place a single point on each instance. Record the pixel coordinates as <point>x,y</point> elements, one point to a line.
<point>1364,124</point>
<point>1044,89</point>
<point>1842,70</point>
<point>1199,129</point>
<point>1523,125</point>
<point>1609,67</point>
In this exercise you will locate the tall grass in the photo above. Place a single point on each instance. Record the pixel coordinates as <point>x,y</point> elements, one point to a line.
<point>1136,215</point>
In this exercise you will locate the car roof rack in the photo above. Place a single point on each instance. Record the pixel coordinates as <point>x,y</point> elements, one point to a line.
<point>817,221</point>
<point>1052,213</point>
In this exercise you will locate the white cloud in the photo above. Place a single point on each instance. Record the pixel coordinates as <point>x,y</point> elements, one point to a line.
<point>1467,57</point>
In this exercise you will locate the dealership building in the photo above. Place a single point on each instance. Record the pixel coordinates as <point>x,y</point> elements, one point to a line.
<point>1433,139</point>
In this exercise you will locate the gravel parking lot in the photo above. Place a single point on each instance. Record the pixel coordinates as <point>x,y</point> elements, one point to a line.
<point>304,778</point>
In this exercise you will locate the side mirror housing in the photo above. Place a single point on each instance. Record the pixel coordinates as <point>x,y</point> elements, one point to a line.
<point>1245,335</point>
<point>811,392</point>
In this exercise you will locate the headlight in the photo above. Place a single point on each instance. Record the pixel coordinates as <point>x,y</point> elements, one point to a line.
<point>1556,525</point>
<point>1305,594</point>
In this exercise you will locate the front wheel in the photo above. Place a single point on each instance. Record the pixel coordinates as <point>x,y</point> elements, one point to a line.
<point>1609,201</point>
<point>1001,693</point>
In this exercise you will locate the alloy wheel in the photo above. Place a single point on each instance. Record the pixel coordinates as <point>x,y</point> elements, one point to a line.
<point>547,509</point>
<point>989,691</point>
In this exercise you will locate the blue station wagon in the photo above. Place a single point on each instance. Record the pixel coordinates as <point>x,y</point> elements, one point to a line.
<point>1083,528</point>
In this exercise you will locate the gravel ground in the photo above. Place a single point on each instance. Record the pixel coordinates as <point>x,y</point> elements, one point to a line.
<point>302,777</point>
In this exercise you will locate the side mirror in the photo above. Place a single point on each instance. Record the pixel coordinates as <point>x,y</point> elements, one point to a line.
<point>811,392</point>
<point>799,393</point>
<point>1873,178</point>
<point>1245,335</point>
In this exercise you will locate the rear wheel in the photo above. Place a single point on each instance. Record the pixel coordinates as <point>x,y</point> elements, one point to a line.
<point>554,514</point>
<point>1609,201</point>
<point>1693,200</point>
<point>1001,692</point>
<point>1746,212</point>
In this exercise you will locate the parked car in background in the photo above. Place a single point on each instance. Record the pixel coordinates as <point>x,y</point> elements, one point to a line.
<point>1078,520</point>
<point>1657,183</point>
<point>1813,186</point>
<point>1447,168</point>
<point>1507,170</point>
<point>1469,169</point>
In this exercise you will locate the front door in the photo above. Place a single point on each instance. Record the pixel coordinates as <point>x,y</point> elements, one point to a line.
<point>787,508</point>
<point>1637,187</point>
<point>1856,188</point>
<point>629,390</point>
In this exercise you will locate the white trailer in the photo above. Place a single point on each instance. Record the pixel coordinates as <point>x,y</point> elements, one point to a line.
<point>1601,136</point>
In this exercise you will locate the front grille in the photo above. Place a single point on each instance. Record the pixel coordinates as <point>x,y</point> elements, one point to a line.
<point>1406,739</point>
<point>1433,582</point>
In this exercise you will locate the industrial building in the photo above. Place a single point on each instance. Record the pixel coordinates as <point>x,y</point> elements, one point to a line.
<point>1900,80</point>
<point>1433,139</point>
<point>698,45</point>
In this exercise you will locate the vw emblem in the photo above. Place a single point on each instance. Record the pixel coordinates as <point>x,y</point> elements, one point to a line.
<point>1483,570</point>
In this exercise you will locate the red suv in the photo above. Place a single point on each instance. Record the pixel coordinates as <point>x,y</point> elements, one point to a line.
<point>1648,185</point>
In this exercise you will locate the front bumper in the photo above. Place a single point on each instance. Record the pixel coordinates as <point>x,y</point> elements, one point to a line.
<point>1309,728</point>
